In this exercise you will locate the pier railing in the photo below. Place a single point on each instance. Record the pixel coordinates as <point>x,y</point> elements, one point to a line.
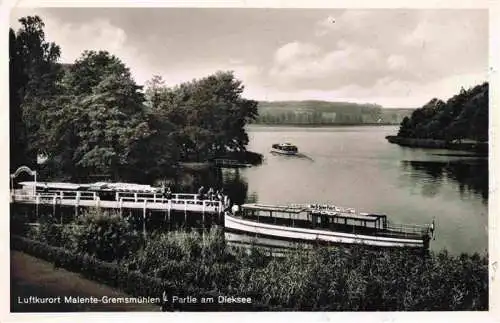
<point>176,201</point>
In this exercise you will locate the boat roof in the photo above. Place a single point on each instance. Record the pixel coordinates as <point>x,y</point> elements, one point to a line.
<point>125,187</point>
<point>299,209</point>
<point>353,216</point>
<point>55,185</point>
<point>277,208</point>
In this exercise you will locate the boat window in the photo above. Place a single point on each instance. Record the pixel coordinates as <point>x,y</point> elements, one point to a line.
<point>263,213</point>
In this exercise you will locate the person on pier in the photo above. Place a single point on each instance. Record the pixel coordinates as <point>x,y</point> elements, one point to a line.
<point>168,193</point>
<point>210,193</point>
<point>201,192</point>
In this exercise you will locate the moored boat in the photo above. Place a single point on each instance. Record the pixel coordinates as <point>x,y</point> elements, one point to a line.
<point>285,149</point>
<point>324,225</point>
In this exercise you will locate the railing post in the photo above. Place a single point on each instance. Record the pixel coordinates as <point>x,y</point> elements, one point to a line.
<point>185,213</point>
<point>203,215</point>
<point>135,197</point>
<point>121,206</point>
<point>77,204</point>
<point>169,205</point>
<point>144,211</point>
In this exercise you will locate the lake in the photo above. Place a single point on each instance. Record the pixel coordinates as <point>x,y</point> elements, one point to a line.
<point>356,167</point>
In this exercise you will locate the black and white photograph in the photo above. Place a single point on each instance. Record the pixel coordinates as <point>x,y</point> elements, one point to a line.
<point>239,159</point>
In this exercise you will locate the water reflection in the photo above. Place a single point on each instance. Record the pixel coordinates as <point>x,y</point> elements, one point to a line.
<point>470,175</point>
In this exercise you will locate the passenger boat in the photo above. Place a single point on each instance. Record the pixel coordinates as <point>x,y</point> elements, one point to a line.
<point>285,149</point>
<point>289,225</point>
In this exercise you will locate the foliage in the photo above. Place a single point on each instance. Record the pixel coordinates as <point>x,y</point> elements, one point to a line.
<point>106,236</point>
<point>326,278</point>
<point>91,119</point>
<point>464,116</point>
<point>207,116</point>
<point>34,77</point>
<point>100,120</point>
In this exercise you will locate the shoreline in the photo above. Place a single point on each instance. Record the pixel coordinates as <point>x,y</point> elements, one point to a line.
<point>479,147</point>
<point>326,125</point>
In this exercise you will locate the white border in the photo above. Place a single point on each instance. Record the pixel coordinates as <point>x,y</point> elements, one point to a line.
<point>494,21</point>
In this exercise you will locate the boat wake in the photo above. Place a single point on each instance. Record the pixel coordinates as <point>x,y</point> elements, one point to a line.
<point>297,155</point>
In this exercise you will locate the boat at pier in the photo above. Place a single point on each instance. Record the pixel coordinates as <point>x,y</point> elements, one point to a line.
<point>322,224</point>
<point>284,149</point>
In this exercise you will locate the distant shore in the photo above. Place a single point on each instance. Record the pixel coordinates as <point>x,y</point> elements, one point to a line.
<point>319,125</point>
<point>481,147</point>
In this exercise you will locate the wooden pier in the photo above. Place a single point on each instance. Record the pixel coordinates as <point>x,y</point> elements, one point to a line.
<point>144,201</point>
<point>154,209</point>
<point>229,163</point>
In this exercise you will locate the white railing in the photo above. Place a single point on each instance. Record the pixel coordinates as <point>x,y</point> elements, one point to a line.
<point>408,228</point>
<point>176,199</point>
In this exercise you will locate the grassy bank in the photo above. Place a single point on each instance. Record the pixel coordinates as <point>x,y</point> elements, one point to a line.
<point>330,279</point>
<point>481,147</point>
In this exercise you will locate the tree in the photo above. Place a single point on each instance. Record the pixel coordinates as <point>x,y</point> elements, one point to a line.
<point>209,115</point>
<point>464,116</point>
<point>34,76</point>
<point>18,137</point>
<point>100,121</point>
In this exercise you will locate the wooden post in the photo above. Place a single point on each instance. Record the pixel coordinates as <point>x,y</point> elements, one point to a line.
<point>144,210</point>
<point>121,207</point>
<point>37,204</point>
<point>169,207</point>
<point>135,197</point>
<point>77,203</point>
<point>54,206</point>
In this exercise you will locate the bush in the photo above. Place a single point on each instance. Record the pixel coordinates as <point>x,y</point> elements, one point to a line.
<point>106,236</point>
<point>325,278</point>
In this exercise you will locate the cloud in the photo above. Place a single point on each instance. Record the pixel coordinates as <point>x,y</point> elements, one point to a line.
<point>396,53</point>
<point>97,34</point>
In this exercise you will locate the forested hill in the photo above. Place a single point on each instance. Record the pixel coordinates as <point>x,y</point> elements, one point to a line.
<point>464,116</point>
<point>323,112</point>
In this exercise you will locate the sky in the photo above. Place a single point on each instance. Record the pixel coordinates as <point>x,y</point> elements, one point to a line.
<point>392,57</point>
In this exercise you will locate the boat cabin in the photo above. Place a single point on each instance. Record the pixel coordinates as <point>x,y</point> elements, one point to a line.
<point>287,147</point>
<point>306,217</point>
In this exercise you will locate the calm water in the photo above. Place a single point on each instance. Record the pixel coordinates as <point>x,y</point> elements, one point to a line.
<point>357,167</point>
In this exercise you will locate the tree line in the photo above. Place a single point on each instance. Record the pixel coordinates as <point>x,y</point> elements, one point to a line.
<point>462,117</point>
<point>314,112</point>
<point>91,118</point>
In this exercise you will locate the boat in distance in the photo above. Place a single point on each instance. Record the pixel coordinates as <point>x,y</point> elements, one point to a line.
<point>284,149</point>
<point>329,225</point>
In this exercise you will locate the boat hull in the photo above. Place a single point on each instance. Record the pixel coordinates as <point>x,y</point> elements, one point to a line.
<point>303,235</point>
<point>283,152</point>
